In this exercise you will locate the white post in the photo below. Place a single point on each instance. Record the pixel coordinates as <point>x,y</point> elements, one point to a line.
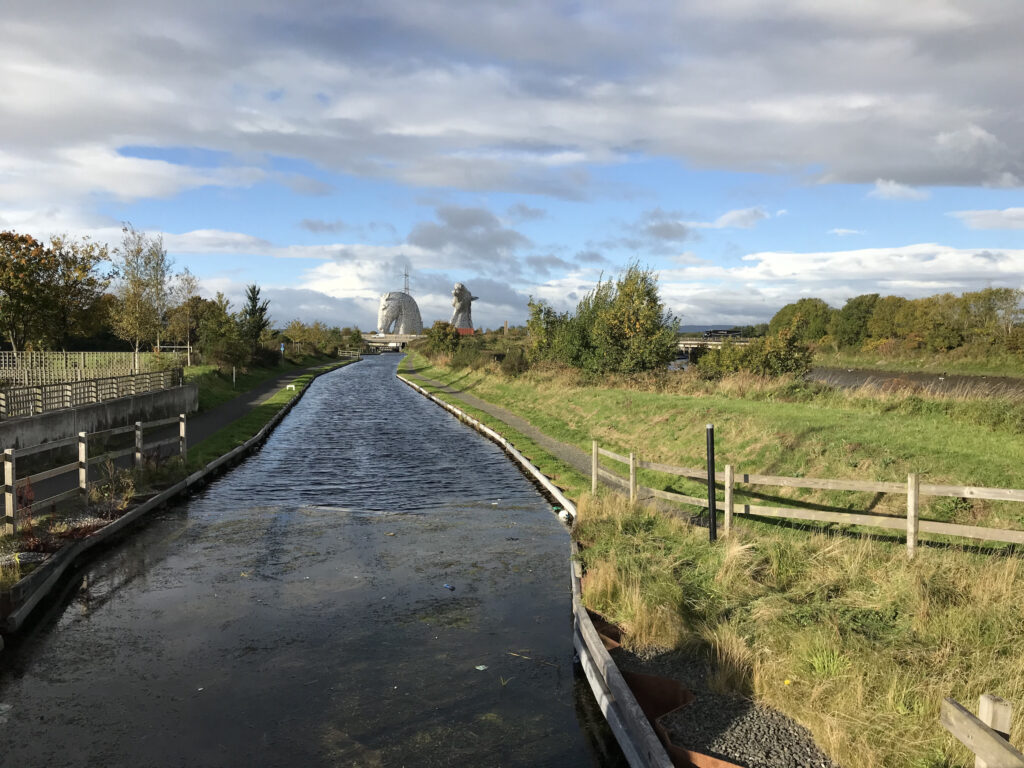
<point>182,443</point>
<point>632,477</point>
<point>593,467</point>
<point>10,497</point>
<point>138,444</point>
<point>913,501</point>
<point>996,714</point>
<point>729,480</point>
<point>83,465</point>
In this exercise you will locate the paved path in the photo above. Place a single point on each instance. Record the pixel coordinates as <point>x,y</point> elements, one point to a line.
<point>205,424</point>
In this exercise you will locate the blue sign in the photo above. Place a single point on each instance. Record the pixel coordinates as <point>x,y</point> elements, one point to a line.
<point>282,347</point>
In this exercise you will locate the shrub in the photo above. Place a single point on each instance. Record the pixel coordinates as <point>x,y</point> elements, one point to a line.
<point>515,362</point>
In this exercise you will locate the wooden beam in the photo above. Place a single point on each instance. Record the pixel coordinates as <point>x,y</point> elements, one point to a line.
<point>978,737</point>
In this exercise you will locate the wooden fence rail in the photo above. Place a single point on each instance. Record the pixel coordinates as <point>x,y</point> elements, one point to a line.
<point>32,401</point>
<point>913,489</point>
<point>17,490</point>
<point>987,735</point>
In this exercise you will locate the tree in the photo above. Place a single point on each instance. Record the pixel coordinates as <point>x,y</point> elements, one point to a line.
<point>142,288</point>
<point>353,338</point>
<point>183,318</point>
<point>25,269</point>
<point>442,338</point>
<point>254,320</point>
<point>849,326</point>
<point>888,318</point>
<point>74,286</point>
<point>220,339</point>
<point>812,318</point>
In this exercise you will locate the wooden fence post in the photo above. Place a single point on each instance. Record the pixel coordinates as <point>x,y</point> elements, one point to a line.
<point>182,443</point>
<point>138,444</point>
<point>3,405</point>
<point>593,467</point>
<point>996,713</point>
<point>67,395</point>
<point>10,495</point>
<point>632,477</point>
<point>83,466</point>
<point>37,400</point>
<point>913,501</point>
<point>730,478</point>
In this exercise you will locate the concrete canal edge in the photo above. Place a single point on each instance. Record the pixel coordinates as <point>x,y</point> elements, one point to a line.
<point>30,591</point>
<point>632,730</point>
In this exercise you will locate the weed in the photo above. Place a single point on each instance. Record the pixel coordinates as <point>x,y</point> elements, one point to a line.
<point>113,492</point>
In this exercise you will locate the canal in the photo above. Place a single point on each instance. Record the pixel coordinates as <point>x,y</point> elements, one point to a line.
<point>377,586</point>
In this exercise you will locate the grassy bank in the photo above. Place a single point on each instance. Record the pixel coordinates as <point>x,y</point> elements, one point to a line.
<point>216,386</point>
<point>994,364</point>
<point>841,633</point>
<point>784,428</point>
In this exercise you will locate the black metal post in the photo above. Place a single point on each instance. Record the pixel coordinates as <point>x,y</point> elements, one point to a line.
<point>712,511</point>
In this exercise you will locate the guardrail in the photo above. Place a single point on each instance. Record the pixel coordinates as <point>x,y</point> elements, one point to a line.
<point>913,489</point>
<point>32,401</point>
<point>18,493</point>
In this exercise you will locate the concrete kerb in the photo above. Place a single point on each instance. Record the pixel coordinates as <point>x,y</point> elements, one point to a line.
<point>636,737</point>
<point>31,590</point>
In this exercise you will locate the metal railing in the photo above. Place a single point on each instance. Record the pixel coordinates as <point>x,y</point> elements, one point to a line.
<point>32,401</point>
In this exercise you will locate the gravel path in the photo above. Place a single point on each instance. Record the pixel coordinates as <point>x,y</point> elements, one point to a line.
<point>726,726</point>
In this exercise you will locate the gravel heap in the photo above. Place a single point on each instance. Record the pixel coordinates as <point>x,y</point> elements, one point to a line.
<point>727,726</point>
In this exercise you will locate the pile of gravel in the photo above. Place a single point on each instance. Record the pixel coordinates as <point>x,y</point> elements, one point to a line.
<point>736,729</point>
<point>727,726</point>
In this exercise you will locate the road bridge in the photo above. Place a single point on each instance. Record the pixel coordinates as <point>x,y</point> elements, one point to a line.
<point>686,345</point>
<point>385,341</point>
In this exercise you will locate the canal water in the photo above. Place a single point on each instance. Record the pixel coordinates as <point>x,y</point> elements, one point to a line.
<point>377,586</point>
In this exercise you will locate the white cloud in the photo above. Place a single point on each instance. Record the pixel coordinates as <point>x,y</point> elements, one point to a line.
<point>741,218</point>
<point>840,232</point>
<point>1007,218</point>
<point>887,189</point>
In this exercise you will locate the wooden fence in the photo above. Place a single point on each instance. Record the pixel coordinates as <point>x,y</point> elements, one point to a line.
<point>29,369</point>
<point>17,490</point>
<point>987,735</point>
<point>913,489</point>
<point>31,401</point>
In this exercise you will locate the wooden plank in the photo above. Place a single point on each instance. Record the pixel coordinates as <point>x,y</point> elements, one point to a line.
<point>72,494</point>
<point>972,492</point>
<point>161,422</point>
<point>978,737</point>
<point>997,714</point>
<point>38,476</point>
<point>821,516</point>
<point>31,449</point>
<point>644,740</point>
<point>668,469</point>
<point>972,531</point>
<point>159,443</point>
<point>824,484</point>
<point>112,455</point>
<point>613,478</point>
<point>678,497</point>
<point>612,455</point>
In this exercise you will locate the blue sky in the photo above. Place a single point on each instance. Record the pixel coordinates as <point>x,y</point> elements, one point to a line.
<point>751,153</point>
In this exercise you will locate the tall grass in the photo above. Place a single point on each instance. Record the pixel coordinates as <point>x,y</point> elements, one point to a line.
<point>845,635</point>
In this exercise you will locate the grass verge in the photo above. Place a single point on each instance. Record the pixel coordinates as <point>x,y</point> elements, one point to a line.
<point>994,364</point>
<point>216,387</point>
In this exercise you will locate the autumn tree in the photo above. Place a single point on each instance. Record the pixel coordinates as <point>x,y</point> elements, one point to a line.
<point>74,286</point>
<point>26,271</point>
<point>142,290</point>
<point>183,318</point>
<point>808,319</point>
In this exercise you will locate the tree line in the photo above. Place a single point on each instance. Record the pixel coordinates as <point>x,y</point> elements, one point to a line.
<point>989,320</point>
<point>69,294</point>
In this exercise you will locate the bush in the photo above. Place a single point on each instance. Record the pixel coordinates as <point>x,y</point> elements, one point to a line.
<point>771,356</point>
<point>515,362</point>
<point>442,339</point>
<point>266,358</point>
